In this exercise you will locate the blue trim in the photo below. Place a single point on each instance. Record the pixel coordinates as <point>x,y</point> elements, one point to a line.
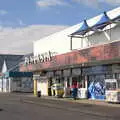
<point>18,74</point>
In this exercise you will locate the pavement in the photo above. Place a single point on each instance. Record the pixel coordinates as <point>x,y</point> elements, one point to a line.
<point>85,101</point>
<point>28,97</point>
<point>17,106</point>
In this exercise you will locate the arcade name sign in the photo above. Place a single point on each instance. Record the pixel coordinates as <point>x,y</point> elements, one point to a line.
<point>44,57</point>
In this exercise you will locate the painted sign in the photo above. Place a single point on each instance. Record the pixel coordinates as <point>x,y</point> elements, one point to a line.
<point>44,57</point>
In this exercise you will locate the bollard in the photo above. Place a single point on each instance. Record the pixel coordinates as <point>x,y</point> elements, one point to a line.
<point>39,93</point>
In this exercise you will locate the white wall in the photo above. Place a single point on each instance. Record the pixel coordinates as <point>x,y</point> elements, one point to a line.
<point>58,42</point>
<point>115,33</point>
<point>105,37</point>
<point>43,87</point>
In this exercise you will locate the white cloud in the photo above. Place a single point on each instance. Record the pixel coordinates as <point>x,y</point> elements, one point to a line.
<point>92,3</point>
<point>20,40</point>
<point>16,22</point>
<point>3,12</point>
<point>50,3</point>
<point>96,3</point>
<point>112,2</point>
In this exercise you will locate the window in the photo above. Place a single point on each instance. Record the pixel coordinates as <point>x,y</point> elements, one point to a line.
<point>111,86</point>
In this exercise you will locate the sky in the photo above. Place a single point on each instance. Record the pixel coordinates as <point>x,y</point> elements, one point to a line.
<point>24,21</point>
<point>17,13</point>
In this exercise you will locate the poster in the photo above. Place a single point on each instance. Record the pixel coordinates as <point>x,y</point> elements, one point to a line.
<point>96,90</point>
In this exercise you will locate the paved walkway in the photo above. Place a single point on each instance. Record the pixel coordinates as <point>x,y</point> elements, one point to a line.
<point>27,107</point>
<point>84,101</point>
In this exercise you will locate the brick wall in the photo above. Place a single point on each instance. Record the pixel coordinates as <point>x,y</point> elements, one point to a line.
<point>93,54</point>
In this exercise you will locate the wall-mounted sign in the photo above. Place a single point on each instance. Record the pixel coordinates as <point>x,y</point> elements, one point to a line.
<point>44,57</point>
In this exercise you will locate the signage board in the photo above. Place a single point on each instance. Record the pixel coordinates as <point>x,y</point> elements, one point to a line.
<point>44,57</point>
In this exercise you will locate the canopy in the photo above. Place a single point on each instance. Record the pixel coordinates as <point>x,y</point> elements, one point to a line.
<point>82,30</point>
<point>103,19</point>
<point>102,22</point>
<point>99,22</point>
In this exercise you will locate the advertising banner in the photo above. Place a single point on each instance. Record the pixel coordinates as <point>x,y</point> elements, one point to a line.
<point>96,90</point>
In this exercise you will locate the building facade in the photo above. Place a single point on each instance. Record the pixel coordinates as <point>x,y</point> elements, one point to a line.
<point>16,82</point>
<point>93,58</point>
<point>11,80</point>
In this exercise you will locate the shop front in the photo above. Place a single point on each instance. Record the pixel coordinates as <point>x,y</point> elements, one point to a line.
<point>41,83</point>
<point>96,80</point>
<point>85,69</point>
<point>16,82</point>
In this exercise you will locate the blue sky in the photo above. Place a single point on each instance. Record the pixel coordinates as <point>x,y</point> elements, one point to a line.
<point>24,21</point>
<point>16,13</point>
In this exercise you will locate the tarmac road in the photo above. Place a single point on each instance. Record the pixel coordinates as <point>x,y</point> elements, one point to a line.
<point>14,107</point>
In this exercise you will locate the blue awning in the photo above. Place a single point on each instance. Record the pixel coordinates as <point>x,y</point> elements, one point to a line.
<point>97,23</point>
<point>82,30</point>
<point>104,19</point>
<point>103,22</point>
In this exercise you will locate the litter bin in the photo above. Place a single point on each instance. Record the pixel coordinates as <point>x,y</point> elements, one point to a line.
<point>39,94</point>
